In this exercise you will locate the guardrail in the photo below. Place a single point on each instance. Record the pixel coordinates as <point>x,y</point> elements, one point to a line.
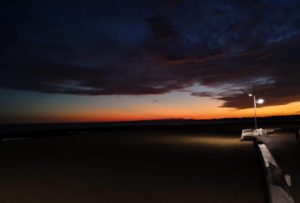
<point>254,134</point>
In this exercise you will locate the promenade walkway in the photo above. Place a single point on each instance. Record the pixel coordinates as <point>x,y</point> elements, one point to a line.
<point>286,151</point>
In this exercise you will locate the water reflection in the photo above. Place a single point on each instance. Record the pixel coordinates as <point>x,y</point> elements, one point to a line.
<point>197,140</point>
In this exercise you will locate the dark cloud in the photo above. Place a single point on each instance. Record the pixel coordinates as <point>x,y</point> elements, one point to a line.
<point>141,47</point>
<point>203,94</point>
<point>280,64</point>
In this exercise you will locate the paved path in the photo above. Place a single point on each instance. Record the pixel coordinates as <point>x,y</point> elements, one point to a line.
<point>286,151</point>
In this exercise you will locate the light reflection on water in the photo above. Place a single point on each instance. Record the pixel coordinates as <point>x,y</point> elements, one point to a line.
<point>194,140</point>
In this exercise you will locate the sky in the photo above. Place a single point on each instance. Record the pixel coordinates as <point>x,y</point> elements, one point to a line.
<point>114,60</point>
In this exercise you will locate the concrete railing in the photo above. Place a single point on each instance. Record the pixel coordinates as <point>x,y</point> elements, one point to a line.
<point>252,133</point>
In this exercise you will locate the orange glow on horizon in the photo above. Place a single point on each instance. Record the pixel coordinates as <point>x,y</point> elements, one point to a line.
<point>89,115</point>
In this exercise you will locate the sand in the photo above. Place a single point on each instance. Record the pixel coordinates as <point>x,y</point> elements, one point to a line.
<point>131,166</point>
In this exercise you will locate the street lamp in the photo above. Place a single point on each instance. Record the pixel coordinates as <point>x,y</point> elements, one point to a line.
<point>258,101</point>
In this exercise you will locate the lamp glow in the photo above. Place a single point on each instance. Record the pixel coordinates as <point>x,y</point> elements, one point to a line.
<point>260,101</point>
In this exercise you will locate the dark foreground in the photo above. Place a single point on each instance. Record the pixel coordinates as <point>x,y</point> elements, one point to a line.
<point>130,166</point>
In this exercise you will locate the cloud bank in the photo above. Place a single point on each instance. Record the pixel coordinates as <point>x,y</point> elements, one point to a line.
<point>152,47</point>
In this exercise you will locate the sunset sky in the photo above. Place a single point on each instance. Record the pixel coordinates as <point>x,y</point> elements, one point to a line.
<point>114,60</point>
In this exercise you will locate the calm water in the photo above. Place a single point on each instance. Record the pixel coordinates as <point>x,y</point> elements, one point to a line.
<point>132,166</point>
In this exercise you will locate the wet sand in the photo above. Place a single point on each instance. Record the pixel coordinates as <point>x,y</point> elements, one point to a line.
<point>286,151</point>
<point>131,166</point>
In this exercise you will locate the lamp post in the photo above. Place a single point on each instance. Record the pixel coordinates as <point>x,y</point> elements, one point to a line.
<point>259,101</point>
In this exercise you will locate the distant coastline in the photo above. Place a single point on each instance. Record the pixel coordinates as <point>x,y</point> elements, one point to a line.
<point>280,121</point>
